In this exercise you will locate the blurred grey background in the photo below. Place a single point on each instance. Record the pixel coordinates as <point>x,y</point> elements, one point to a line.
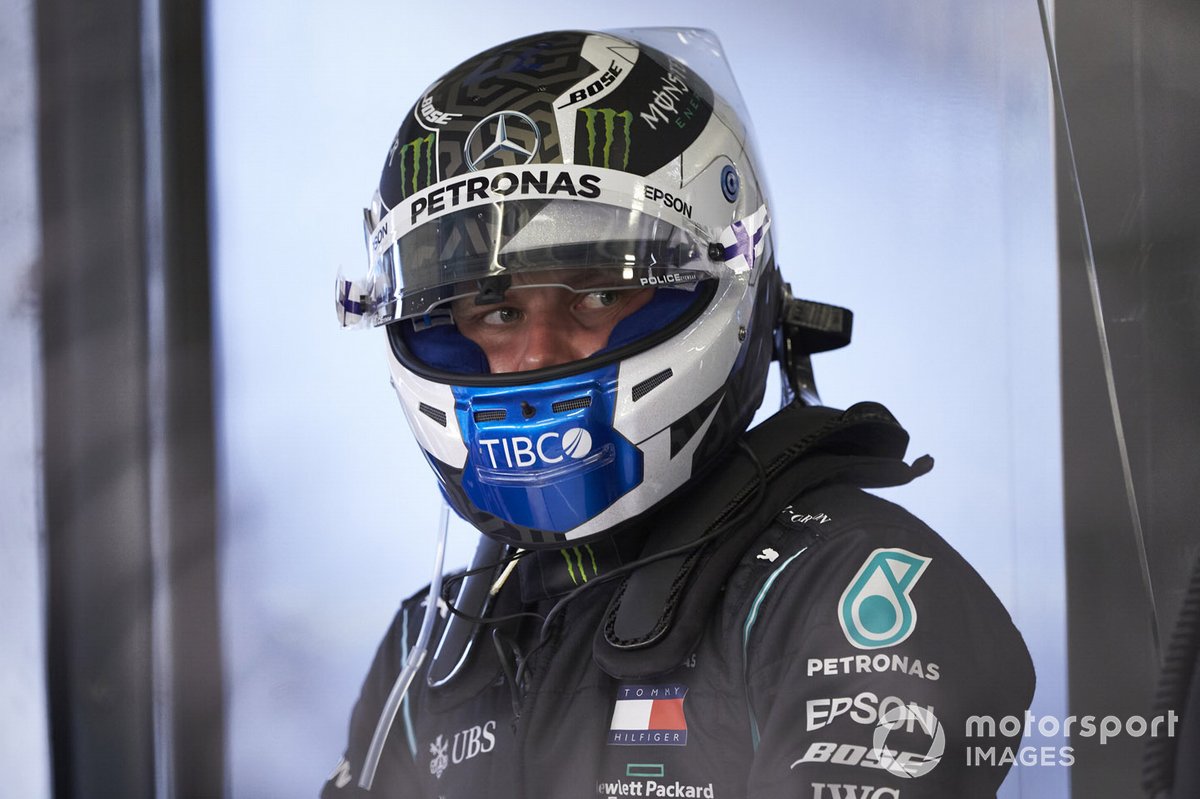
<point>908,150</point>
<point>910,154</point>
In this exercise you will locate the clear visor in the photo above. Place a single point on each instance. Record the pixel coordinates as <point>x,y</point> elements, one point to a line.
<point>530,284</point>
<point>478,255</point>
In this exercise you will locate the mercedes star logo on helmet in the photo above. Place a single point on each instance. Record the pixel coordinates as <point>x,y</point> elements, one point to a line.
<point>502,142</point>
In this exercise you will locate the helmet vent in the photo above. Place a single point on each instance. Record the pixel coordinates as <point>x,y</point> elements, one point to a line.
<point>571,404</point>
<point>650,383</point>
<point>494,415</point>
<point>433,413</point>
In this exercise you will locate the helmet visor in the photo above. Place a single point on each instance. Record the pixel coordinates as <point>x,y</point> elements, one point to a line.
<point>474,285</point>
<point>580,246</point>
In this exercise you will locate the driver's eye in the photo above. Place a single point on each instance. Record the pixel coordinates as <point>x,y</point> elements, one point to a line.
<point>599,299</point>
<point>502,316</point>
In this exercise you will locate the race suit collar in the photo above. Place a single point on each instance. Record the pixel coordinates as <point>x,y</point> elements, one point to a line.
<point>551,573</point>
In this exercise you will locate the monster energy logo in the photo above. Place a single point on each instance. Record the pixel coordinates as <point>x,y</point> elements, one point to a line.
<point>610,117</point>
<point>411,158</point>
<point>579,563</point>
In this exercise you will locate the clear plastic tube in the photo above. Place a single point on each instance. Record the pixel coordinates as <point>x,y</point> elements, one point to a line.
<point>416,657</point>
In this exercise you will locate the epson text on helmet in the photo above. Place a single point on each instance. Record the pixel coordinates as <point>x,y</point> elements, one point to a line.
<point>379,236</point>
<point>523,451</point>
<point>677,204</point>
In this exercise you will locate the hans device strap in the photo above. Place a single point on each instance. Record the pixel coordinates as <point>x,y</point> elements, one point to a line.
<point>658,614</point>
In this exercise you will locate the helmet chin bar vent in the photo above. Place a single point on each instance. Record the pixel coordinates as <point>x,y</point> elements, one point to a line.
<point>571,405</point>
<point>562,406</point>
<point>433,413</point>
<point>649,384</point>
<point>807,327</point>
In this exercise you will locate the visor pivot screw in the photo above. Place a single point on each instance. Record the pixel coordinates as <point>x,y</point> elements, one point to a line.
<point>742,333</point>
<point>527,410</point>
<point>716,251</point>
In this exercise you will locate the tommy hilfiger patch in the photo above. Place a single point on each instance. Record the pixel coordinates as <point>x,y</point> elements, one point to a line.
<point>649,715</point>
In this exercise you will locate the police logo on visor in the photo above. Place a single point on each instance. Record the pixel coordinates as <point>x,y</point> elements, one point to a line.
<point>512,129</point>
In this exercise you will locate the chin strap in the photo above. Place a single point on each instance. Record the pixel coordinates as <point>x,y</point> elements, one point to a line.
<point>1176,684</point>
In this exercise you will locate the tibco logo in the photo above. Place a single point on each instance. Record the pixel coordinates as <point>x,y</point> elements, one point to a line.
<point>522,451</point>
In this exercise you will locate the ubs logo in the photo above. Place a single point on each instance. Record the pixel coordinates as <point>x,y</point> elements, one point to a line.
<point>466,744</point>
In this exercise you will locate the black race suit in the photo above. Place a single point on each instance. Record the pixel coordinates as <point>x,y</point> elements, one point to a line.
<point>850,647</point>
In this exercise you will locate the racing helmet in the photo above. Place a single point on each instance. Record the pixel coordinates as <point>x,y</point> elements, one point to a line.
<point>596,176</point>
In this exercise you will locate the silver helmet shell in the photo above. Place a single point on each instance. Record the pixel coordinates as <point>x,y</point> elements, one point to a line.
<point>575,159</point>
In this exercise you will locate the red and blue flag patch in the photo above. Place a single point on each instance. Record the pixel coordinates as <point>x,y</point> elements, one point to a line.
<point>649,715</point>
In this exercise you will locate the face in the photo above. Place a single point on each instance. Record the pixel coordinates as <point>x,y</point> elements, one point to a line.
<point>534,327</point>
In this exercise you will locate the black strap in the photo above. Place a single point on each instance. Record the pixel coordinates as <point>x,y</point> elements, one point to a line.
<point>452,656</point>
<point>1178,691</point>
<point>658,614</point>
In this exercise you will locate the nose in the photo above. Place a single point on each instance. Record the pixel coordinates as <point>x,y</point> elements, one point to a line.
<point>551,339</point>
